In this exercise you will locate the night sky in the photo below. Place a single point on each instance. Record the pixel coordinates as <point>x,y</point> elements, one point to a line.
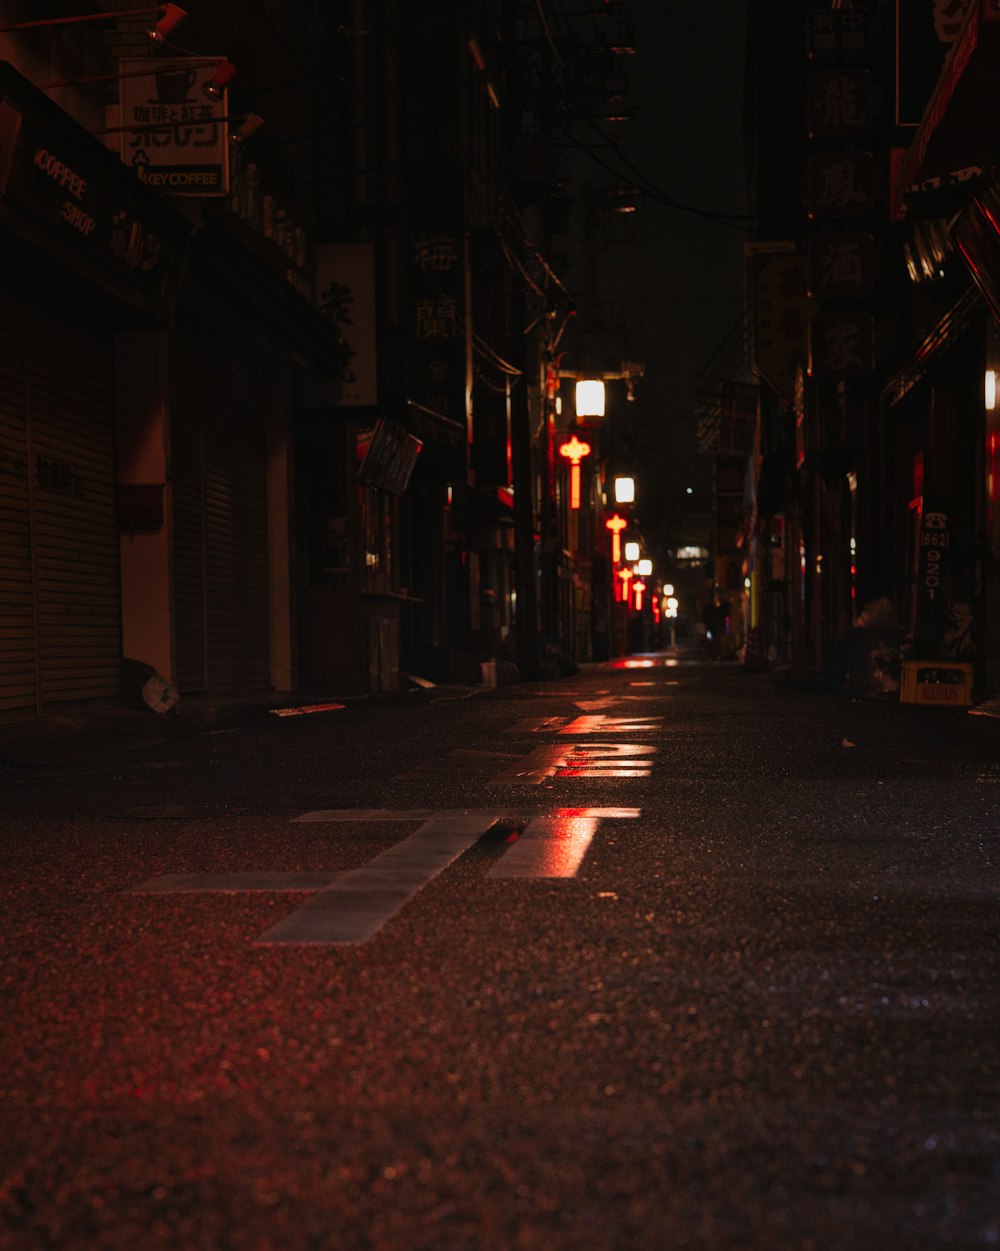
<point>680,276</point>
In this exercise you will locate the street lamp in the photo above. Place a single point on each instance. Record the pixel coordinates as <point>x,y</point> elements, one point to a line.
<point>624,490</point>
<point>644,568</point>
<point>672,606</point>
<point>632,552</point>
<point>589,397</point>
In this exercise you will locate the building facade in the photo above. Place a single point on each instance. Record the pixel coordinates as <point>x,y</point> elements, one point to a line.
<point>867,537</point>
<point>277,309</point>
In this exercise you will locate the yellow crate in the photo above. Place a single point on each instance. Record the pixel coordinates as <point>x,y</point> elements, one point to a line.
<point>944,683</point>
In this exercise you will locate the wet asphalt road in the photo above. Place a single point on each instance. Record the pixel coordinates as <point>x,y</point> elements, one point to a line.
<point>763,1012</point>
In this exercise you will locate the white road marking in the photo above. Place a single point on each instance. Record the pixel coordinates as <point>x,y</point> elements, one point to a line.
<point>554,845</point>
<point>367,814</point>
<point>360,901</point>
<point>537,725</point>
<point>349,908</point>
<point>231,883</point>
<point>578,760</point>
<point>548,847</point>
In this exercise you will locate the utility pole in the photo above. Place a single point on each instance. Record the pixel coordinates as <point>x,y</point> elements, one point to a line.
<point>526,617</point>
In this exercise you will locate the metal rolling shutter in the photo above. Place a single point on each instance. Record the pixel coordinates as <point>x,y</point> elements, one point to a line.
<point>17,617</point>
<point>58,515</point>
<point>220,517</point>
<point>236,555</point>
<point>69,392</point>
<point>191,661</point>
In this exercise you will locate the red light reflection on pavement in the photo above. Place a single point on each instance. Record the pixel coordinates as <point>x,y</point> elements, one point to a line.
<point>644,662</point>
<point>554,846</point>
<point>548,847</point>
<point>605,771</point>
<point>579,760</point>
<point>598,723</point>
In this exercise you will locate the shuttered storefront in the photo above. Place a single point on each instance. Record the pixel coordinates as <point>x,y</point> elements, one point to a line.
<point>220,556</point>
<point>60,620</point>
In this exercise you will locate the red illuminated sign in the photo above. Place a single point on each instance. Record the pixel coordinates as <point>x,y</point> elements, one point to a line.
<point>616,525</point>
<point>574,451</point>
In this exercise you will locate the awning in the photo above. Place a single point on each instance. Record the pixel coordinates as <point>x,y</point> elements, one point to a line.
<point>434,427</point>
<point>948,331</point>
<point>976,234</point>
<point>957,136</point>
<point>69,204</point>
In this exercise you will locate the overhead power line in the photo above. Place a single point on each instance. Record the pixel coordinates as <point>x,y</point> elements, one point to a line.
<point>647,187</point>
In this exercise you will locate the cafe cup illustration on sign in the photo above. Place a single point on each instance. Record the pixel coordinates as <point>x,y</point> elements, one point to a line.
<point>173,86</point>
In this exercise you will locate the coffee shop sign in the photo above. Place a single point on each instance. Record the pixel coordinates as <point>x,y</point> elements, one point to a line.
<point>128,240</point>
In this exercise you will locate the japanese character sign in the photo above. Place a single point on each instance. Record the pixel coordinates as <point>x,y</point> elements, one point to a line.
<point>836,32</point>
<point>949,16</point>
<point>437,378</point>
<point>838,102</point>
<point>437,255</point>
<point>841,266</point>
<point>926,30</point>
<point>840,184</point>
<point>842,346</point>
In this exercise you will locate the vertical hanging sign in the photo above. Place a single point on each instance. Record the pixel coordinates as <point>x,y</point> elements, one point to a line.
<point>438,328</point>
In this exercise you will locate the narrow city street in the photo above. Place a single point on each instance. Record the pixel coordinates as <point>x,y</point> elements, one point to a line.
<point>664,954</point>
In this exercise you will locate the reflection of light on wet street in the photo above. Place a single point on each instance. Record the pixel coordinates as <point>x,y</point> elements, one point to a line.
<point>579,760</point>
<point>548,847</point>
<point>644,662</point>
<point>605,771</point>
<point>600,724</point>
<point>554,846</point>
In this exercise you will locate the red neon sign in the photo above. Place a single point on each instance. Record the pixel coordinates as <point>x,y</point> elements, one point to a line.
<point>616,525</point>
<point>574,451</point>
